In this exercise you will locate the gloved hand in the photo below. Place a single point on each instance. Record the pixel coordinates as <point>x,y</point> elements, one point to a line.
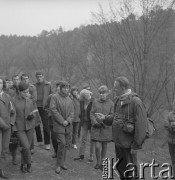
<point>97,125</point>
<point>30,117</point>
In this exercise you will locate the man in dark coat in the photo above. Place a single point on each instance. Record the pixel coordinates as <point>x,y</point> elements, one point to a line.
<point>129,125</point>
<point>43,88</point>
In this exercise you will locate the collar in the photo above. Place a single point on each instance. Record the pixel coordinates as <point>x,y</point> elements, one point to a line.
<point>125,95</point>
<point>1,93</point>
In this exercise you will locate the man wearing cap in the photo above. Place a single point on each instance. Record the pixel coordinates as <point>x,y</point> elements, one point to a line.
<point>43,88</point>
<point>62,111</point>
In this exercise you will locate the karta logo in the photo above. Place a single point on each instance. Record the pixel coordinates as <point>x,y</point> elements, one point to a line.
<point>110,167</point>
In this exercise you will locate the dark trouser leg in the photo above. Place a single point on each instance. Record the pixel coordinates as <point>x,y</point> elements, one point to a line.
<point>75,132</point>
<point>4,146</point>
<point>25,138</point>
<point>38,133</point>
<point>79,130</point>
<point>54,140</point>
<point>46,127</point>
<point>124,156</point>
<point>172,155</point>
<point>63,141</point>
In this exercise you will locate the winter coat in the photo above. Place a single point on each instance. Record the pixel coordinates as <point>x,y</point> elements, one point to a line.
<point>23,108</point>
<point>47,91</point>
<point>7,110</point>
<point>103,133</point>
<point>133,108</point>
<point>76,105</point>
<point>61,108</point>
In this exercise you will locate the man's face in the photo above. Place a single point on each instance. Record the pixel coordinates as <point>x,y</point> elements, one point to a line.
<point>16,80</point>
<point>25,79</point>
<point>8,84</point>
<point>118,89</point>
<point>65,90</point>
<point>1,84</point>
<point>40,78</point>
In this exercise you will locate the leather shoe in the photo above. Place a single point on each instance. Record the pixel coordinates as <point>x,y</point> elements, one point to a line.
<point>64,167</point>
<point>23,168</point>
<point>2,174</point>
<point>29,168</point>
<point>58,170</point>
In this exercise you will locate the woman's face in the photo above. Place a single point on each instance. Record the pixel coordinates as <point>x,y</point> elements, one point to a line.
<point>1,84</point>
<point>103,95</point>
<point>75,93</point>
<point>25,94</point>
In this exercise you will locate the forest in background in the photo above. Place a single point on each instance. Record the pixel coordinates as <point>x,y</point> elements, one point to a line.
<point>142,48</point>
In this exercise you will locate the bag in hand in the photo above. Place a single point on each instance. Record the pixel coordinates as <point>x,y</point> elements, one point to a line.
<point>3,125</point>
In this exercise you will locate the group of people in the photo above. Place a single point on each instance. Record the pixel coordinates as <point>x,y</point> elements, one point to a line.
<point>63,113</point>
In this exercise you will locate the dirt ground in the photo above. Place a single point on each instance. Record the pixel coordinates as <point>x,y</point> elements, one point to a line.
<point>44,165</point>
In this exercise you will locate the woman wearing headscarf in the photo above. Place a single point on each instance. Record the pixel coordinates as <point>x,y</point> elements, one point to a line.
<point>24,125</point>
<point>100,133</point>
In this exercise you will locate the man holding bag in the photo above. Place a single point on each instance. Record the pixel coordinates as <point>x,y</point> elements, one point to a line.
<point>129,125</point>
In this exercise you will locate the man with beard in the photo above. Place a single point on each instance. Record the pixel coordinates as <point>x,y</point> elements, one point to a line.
<point>61,108</point>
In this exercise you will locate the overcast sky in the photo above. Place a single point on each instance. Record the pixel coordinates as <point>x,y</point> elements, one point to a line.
<point>30,17</point>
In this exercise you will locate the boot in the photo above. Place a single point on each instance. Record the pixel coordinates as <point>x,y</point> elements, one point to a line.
<point>29,168</point>
<point>2,174</point>
<point>23,168</point>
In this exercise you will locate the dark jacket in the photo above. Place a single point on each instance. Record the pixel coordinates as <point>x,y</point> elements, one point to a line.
<point>47,90</point>
<point>134,109</point>
<point>76,105</point>
<point>61,108</point>
<point>23,108</point>
<point>87,119</point>
<point>103,133</point>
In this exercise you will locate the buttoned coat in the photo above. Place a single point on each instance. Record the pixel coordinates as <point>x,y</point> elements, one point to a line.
<point>61,108</point>
<point>107,108</point>
<point>23,108</point>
